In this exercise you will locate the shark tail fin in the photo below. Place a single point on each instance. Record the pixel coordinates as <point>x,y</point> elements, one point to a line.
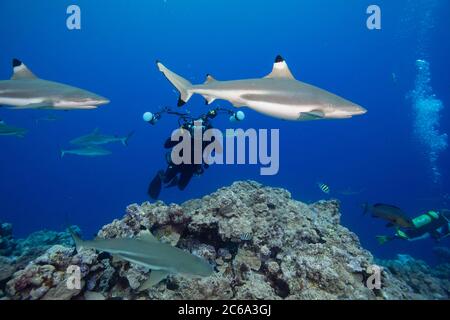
<point>182,85</point>
<point>76,239</point>
<point>127,138</point>
<point>62,153</point>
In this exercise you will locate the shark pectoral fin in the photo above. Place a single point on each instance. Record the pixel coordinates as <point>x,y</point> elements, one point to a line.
<point>312,115</point>
<point>146,235</point>
<point>181,84</point>
<point>21,72</point>
<point>156,276</point>
<point>209,99</point>
<point>280,70</point>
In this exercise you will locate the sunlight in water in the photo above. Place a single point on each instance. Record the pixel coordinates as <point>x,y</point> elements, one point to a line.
<point>427,110</point>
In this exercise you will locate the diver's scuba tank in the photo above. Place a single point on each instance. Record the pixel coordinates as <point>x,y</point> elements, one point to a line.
<point>425,219</point>
<point>237,116</point>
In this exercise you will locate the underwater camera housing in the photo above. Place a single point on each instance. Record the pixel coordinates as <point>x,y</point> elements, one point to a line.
<point>184,118</point>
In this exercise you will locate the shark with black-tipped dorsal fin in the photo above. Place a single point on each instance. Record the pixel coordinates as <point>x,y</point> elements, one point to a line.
<point>278,95</point>
<point>26,91</point>
<point>147,251</point>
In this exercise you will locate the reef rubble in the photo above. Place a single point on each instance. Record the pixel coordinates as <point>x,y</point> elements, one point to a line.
<point>294,251</point>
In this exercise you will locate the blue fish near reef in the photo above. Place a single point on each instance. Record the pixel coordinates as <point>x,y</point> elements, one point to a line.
<point>145,250</point>
<point>277,95</point>
<point>26,91</point>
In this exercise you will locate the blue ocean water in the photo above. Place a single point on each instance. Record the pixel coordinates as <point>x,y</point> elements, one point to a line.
<point>325,43</point>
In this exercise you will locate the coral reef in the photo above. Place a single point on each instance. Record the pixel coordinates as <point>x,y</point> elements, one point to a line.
<point>262,243</point>
<point>421,280</point>
<point>22,251</point>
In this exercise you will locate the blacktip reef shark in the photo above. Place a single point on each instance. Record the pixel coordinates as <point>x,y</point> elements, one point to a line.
<point>26,91</point>
<point>147,251</point>
<point>96,138</point>
<point>6,130</point>
<point>278,95</point>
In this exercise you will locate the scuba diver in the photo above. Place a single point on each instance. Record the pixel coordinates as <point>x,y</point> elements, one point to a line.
<point>180,175</point>
<point>435,224</point>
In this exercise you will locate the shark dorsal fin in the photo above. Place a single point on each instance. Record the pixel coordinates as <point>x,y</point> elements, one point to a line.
<point>21,72</point>
<point>96,131</point>
<point>280,70</point>
<point>146,235</point>
<point>209,79</point>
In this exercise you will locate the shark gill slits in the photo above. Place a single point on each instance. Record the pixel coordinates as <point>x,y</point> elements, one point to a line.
<point>16,62</point>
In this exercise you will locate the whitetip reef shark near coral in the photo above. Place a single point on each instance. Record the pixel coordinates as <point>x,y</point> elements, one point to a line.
<point>147,251</point>
<point>26,91</point>
<point>278,95</point>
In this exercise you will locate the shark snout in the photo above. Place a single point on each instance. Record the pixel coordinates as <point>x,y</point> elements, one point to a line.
<point>354,110</point>
<point>100,101</point>
<point>359,111</point>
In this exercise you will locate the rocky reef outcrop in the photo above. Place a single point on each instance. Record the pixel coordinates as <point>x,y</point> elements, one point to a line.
<point>262,243</point>
<point>422,282</point>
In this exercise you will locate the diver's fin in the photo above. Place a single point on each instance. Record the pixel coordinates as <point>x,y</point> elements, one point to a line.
<point>312,115</point>
<point>280,70</point>
<point>173,182</point>
<point>146,235</point>
<point>182,85</point>
<point>155,186</point>
<point>21,72</point>
<point>156,276</point>
<point>209,79</point>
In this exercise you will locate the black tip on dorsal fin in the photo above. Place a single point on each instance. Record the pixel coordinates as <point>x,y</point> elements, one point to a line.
<point>181,102</point>
<point>279,59</point>
<point>16,62</point>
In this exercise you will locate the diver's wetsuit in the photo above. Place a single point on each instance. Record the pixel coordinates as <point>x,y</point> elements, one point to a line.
<point>179,175</point>
<point>438,228</point>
